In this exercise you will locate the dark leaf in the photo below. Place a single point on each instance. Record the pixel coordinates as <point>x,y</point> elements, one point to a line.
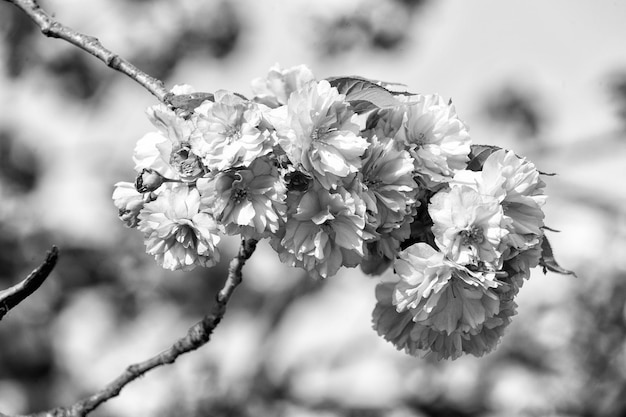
<point>548,174</point>
<point>393,88</point>
<point>190,101</point>
<point>362,106</point>
<point>360,89</point>
<point>478,155</point>
<point>547,261</point>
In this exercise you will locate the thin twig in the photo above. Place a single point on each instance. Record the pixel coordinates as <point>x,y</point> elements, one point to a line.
<point>11,297</point>
<point>53,29</point>
<point>198,335</point>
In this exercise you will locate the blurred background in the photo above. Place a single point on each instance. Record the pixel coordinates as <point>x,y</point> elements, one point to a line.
<point>546,79</point>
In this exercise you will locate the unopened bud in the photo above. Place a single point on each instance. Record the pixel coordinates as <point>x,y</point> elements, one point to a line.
<point>148,180</point>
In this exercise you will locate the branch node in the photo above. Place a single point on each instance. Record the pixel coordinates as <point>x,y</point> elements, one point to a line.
<point>134,370</point>
<point>113,61</point>
<point>200,333</point>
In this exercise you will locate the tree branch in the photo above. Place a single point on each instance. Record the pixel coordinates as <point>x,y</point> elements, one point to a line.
<point>11,297</point>
<point>53,29</point>
<point>198,335</point>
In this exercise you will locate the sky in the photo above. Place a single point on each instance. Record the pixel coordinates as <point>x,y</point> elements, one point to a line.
<point>562,52</point>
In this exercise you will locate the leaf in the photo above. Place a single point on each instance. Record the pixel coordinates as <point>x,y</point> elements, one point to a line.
<point>362,106</point>
<point>393,88</point>
<point>478,155</point>
<point>189,102</point>
<point>547,261</point>
<point>360,90</point>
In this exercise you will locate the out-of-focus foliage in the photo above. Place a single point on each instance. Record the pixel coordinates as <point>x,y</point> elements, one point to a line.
<point>19,167</point>
<point>520,110</point>
<point>288,345</point>
<point>379,25</point>
<point>209,30</point>
<point>617,89</point>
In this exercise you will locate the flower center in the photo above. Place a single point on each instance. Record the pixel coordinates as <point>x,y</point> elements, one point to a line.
<point>233,133</point>
<point>186,163</point>
<point>186,236</point>
<point>420,139</point>
<point>472,235</point>
<point>238,195</point>
<point>319,133</point>
<point>372,182</point>
<point>315,135</point>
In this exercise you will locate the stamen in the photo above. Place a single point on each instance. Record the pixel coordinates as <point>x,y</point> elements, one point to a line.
<point>186,163</point>
<point>233,133</point>
<point>238,195</point>
<point>472,235</point>
<point>315,134</point>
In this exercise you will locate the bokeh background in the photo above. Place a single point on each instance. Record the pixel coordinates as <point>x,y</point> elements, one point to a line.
<point>546,79</point>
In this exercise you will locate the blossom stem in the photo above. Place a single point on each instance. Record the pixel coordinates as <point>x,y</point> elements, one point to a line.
<point>198,335</point>
<point>53,29</point>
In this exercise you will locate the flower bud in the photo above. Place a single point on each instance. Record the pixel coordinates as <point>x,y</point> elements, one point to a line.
<point>148,180</point>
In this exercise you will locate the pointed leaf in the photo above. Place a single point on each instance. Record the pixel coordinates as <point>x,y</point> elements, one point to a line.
<point>547,261</point>
<point>548,174</point>
<point>478,155</point>
<point>190,101</point>
<point>393,88</point>
<point>360,89</point>
<point>362,106</point>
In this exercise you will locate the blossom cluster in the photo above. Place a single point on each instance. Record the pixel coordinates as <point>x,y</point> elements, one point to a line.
<point>346,172</point>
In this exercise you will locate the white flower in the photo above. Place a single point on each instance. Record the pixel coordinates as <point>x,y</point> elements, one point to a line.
<point>250,202</point>
<point>515,182</point>
<point>386,240</point>
<point>129,202</point>
<point>518,266</point>
<point>441,294</point>
<point>437,139</point>
<point>467,225</point>
<point>324,233</point>
<point>405,334</point>
<point>316,131</point>
<point>176,232</point>
<point>389,188</point>
<point>275,89</point>
<point>167,151</point>
<point>483,340</point>
<point>229,132</point>
<point>469,315</point>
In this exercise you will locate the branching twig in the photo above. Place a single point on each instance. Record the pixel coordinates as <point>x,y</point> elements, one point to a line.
<point>11,297</point>
<point>52,28</point>
<point>198,335</point>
